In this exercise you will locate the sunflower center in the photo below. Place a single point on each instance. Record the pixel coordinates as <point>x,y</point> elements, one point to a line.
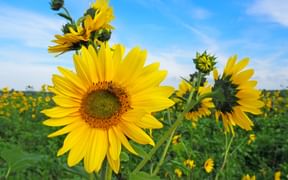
<point>228,90</point>
<point>104,104</point>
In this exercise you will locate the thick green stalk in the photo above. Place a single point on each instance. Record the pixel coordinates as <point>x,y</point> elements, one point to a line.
<point>108,174</point>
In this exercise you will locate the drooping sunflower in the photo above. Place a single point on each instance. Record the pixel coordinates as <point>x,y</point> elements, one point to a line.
<point>200,110</point>
<point>98,16</point>
<point>69,41</point>
<point>106,101</point>
<point>239,95</point>
<point>209,165</point>
<point>95,21</point>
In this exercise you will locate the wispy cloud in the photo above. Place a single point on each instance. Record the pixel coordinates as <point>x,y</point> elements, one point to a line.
<point>29,28</point>
<point>272,10</point>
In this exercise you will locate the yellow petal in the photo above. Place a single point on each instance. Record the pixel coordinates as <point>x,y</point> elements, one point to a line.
<point>101,147</point>
<point>147,81</point>
<point>230,64</point>
<point>114,145</point>
<point>82,69</point>
<point>77,152</point>
<point>164,91</point>
<point>58,112</point>
<point>241,65</point>
<point>61,121</point>
<point>72,139</point>
<point>152,104</point>
<point>123,139</point>
<point>149,121</point>
<point>91,67</point>
<point>66,88</point>
<point>243,76</point>
<point>136,133</point>
<point>73,78</point>
<point>114,164</point>
<point>133,115</point>
<point>65,101</point>
<point>67,129</point>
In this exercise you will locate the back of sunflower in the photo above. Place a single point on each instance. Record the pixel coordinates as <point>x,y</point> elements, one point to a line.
<point>113,99</point>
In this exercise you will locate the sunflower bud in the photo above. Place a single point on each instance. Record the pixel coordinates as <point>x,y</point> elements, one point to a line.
<point>204,62</point>
<point>104,35</point>
<point>91,12</point>
<point>56,4</point>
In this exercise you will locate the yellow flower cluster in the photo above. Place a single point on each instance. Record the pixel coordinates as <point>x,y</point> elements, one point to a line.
<point>18,103</point>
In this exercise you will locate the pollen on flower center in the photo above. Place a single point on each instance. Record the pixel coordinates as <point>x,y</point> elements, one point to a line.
<point>103,105</point>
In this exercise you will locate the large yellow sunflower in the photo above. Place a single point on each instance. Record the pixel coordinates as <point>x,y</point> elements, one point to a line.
<point>239,95</point>
<point>106,101</point>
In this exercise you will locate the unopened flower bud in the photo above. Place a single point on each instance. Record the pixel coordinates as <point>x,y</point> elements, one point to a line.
<point>56,4</point>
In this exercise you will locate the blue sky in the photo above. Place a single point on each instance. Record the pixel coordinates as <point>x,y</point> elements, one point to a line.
<point>171,30</point>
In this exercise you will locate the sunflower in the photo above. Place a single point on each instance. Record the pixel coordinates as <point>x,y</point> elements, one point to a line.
<point>106,101</point>
<point>97,18</point>
<point>69,41</point>
<point>200,110</point>
<point>238,95</point>
<point>209,165</point>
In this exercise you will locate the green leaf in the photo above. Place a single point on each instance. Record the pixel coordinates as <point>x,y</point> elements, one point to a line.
<point>139,149</point>
<point>142,176</point>
<point>124,157</point>
<point>65,16</point>
<point>17,159</point>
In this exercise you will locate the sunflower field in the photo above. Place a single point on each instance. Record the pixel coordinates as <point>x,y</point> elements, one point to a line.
<point>111,118</point>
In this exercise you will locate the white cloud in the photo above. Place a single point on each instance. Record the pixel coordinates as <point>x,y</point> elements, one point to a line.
<point>18,76</point>
<point>273,10</point>
<point>29,28</point>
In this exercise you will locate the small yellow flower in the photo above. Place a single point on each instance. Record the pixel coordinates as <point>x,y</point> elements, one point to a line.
<point>277,175</point>
<point>252,138</point>
<point>178,172</point>
<point>47,99</point>
<point>247,177</point>
<point>209,165</point>
<point>189,163</point>
<point>176,139</point>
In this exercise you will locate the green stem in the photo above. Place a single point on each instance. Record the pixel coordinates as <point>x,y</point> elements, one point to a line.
<point>108,174</point>
<point>227,149</point>
<point>165,150</point>
<point>160,142</point>
<point>166,135</point>
<point>8,172</point>
<point>234,150</point>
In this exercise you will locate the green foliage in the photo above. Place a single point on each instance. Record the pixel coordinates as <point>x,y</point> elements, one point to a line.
<point>26,152</point>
